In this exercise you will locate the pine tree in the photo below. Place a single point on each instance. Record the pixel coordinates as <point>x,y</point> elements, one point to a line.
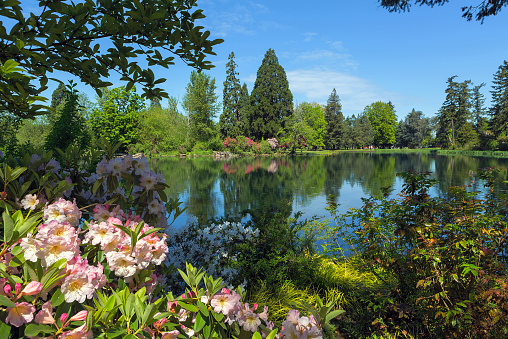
<point>271,100</point>
<point>455,117</point>
<point>230,123</point>
<point>335,120</point>
<point>69,128</point>
<point>499,109</point>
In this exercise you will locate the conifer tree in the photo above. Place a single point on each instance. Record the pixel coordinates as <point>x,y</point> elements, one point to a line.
<point>69,128</point>
<point>271,100</point>
<point>455,117</point>
<point>244,103</point>
<point>230,123</point>
<point>335,120</point>
<point>499,109</point>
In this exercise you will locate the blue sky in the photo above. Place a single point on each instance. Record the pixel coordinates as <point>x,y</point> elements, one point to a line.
<point>355,46</point>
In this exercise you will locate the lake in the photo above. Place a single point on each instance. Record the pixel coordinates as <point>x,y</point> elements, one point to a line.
<point>214,188</point>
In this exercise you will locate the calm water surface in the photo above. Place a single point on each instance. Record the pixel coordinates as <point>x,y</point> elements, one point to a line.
<point>211,189</point>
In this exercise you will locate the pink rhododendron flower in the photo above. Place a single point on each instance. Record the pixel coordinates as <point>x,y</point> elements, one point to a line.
<point>45,315</point>
<point>148,181</point>
<point>122,264</point>
<point>22,313</point>
<point>30,201</point>
<point>30,247</point>
<point>170,335</point>
<point>224,303</point>
<point>249,321</point>
<point>54,249</point>
<point>77,333</point>
<point>76,287</point>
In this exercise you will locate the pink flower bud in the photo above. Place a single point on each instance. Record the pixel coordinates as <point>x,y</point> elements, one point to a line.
<point>33,288</point>
<point>80,316</point>
<point>63,317</point>
<point>8,290</point>
<point>17,288</point>
<point>255,307</point>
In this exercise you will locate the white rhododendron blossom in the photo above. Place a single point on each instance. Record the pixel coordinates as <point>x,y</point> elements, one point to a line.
<point>30,202</point>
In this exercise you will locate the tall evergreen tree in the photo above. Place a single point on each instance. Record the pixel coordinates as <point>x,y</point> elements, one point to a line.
<point>200,103</point>
<point>455,117</point>
<point>499,109</point>
<point>335,120</point>
<point>271,100</point>
<point>230,123</point>
<point>478,108</point>
<point>413,130</point>
<point>244,103</point>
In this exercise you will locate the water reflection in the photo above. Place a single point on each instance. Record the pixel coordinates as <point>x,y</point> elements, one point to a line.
<point>212,189</point>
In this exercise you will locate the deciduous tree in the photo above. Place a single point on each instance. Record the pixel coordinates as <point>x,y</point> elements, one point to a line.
<point>91,39</point>
<point>479,12</point>
<point>200,103</point>
<point>384,122</point>
<point>118,117</point>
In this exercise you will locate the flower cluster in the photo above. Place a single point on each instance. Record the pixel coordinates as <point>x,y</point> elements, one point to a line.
<point>122,258</point>
<point>300,327</point>
<point>210,247</point>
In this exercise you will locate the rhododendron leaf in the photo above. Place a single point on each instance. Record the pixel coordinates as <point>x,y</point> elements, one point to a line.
<point>199,322</point>
<point>5,330</point>
<point>124,229</point>
<point>18,260</point>
<point>147,233</point>
<point>33,330</point>
<point>188,307</point>
<point>272,334</point>
<point>332,315</point>
<point>110,304</point>
<point>28,225</point>
<point>218,316</point>
<point>8,276</point>
<point>8,226</point>
<point>185,277</point>
<point>202,308</point>
<point>58,298</point>
<point>138,228</point>
<point>207,330</point>
<point>4,301</point>
<point>115,332</point>
<point>138,307</point>
<point>130,336</point>
<point>96,185</point>
<point>29,273</point>
<point>16,173</point>
<point>149,313</point>
<point>257,336</point>
<point>128,306</point>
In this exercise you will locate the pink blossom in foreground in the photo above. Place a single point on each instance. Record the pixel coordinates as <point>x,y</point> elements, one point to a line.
<point>45,315</point>
<point>77,287</point>
<point>78,333</point>
<point>32,288</point>
<point>224,303</point>
<point>22,313</point>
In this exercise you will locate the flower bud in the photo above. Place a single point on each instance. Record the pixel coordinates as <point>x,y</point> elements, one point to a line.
<point>63,317</point>
<point>80,316</point>
<point>33,288</point>
<point>8,290</point>
<point>17,288</point>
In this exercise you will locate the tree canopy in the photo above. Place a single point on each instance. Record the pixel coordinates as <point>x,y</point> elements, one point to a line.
<point>91,39</point>
<point>384,122</point>
<point>271,100</point>
<point>478,12</point>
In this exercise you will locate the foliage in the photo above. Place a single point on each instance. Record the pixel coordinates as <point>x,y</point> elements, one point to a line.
<point>335,133</point>
<point>479,12</point>
<point>307,124</point>
<point>271,100</point>
<point>443,261</point>
<point>455,126</point>
<point>165,130</point>
<point>68,37</point>
<point>200,103</point>
<point>413,130</point>
<point>499,109</point>
<point>69,127</point>
<point>117,119</point>
<point>9,126</point>
<point>232,119</point>
<point>383,121</point>
<point>33,133</point>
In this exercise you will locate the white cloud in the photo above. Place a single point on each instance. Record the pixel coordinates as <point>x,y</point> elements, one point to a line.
<point>317,84</point>
<point>309,36</point>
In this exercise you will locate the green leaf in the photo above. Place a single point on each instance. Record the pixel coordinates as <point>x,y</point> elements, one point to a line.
<point>188,307</point>
<point>257,336</point>
<point>6,301</point>
<point>272,334</point>
<point>8,226</point>
<point>333,314</point>
<point>199,322</point>
<point>202,308</point>
<point>58,298</point>
<point>115,332</point>
<point>33,330</point>
<point>5,330</point>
